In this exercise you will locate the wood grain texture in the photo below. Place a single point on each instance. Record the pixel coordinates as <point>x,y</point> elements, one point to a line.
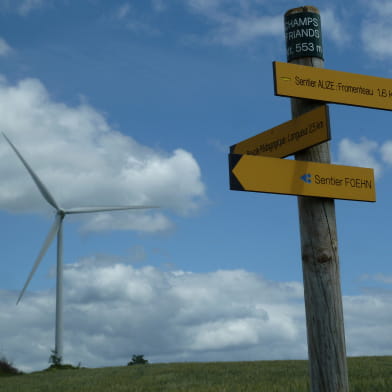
<point>320,263</point>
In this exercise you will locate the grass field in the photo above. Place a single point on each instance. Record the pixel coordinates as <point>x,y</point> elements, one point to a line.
<point>367,374</point>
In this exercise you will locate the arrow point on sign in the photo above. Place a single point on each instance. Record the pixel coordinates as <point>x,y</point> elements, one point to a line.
<point>234,183</point>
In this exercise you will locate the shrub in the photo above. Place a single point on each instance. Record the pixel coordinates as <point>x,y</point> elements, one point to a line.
<point>55,359</point>
<point>57,363</point>
<point>138,360</point>
<point>7,369</point>
<point>62,366</point>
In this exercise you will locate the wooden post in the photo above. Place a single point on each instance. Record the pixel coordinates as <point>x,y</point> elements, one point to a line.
<point>319,244</point>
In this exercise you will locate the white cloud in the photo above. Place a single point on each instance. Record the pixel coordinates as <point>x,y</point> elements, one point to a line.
<point>360,154</point>
<point>5,49</point>
<point>22,7</point>
<point>28,5</point>
<point>376,38</point>
<point>368,321</point>
<point>204,6</point>
<point>84,162</point>
<point>136,22</point>
<point>378,278</point>
<point>139,221</point>
<point>386,152</point>
<point>136,26</point>
<point>366,153</point>
<point>237,31</point>
<point>333,28</point>
<point>123,11</point>
<point>376,30</point>
<point>113,310</point>
<point>380,7</point>
<point>235,23</point>
<point>159,5</point>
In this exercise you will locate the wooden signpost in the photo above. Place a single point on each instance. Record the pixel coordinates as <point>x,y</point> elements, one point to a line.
<point>319,249</point>
<point>254,165</point>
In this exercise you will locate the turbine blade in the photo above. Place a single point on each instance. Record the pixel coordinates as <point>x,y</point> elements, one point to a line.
<point>44,191</point>
<point>83,210</point>
<point>49,238</point>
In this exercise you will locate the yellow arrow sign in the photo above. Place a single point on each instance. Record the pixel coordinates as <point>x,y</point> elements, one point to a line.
<point>302,132</point>
<point>273,175</point>
<point>292,80</point>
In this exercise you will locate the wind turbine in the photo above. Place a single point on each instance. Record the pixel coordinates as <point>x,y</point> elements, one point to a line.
<point>57,228</point>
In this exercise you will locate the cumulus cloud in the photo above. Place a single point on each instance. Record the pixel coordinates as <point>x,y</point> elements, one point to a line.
<point>159,5</point>
<point>360,154</point>
<point>333,28</point>
<point>135,21</point>
<point>5,49</point>
<point>114,310</point>
<point>376,30</point>
<point>235,31</point>
<point>375,36</point>
<point>22,7</point>
<point>27,5</point>
<point>83,161</point>
<point>368,319</point>
<point>229,22</point>
<point>378,278</point>
<point>235,23</point>
<point>122,11</point>
<point>366,153</point>
<point>386,152</point>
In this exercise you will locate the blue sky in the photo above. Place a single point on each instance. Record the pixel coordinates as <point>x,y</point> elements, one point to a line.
<point>137,102</point>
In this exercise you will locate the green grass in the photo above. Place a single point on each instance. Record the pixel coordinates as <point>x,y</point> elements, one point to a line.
<point>367,374</point>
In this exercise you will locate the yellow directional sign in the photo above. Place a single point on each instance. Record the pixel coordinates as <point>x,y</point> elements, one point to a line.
<point>302,132</point>
<point>292,80</point>
<point>272,175</point>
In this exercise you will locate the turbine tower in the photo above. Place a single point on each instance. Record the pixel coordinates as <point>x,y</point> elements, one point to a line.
<point>57,228</point>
